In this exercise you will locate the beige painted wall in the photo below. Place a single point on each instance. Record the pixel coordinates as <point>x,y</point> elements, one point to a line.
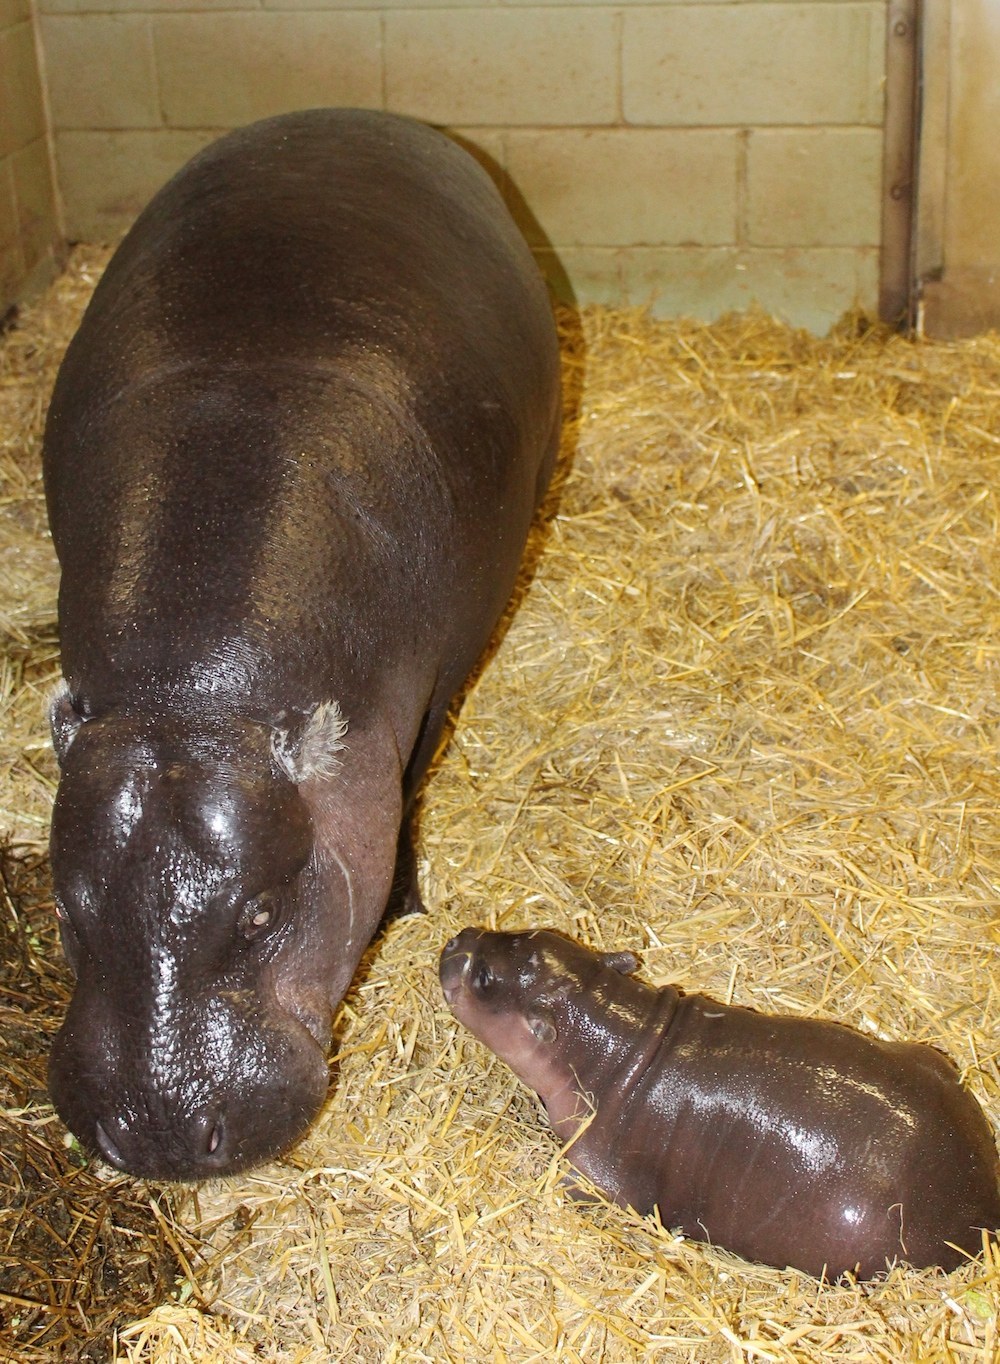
<point>29,232</point>
<point>700,154</point>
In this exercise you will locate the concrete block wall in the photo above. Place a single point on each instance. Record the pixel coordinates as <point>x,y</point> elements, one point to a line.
<point>701,155</point>
<point>30,238</point>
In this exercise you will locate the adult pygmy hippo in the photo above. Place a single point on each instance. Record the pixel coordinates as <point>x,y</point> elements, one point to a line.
<point>291,460</point>
<point>788,1140</point>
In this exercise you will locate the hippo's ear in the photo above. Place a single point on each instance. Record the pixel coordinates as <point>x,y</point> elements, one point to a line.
<point>312,752</point>
<point>542,1027</point>
<point>622,962</point>
<point>64,720</point>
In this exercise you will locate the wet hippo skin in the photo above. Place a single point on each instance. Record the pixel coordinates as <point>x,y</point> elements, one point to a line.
<point>290,461</point>
<point>791,1141</point>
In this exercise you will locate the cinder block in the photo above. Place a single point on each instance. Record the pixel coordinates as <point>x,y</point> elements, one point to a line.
<point>750,63</point>
<point>106,178</point>
<point>100,71</point>
<point>394,4</point>
<point>810,288</point>
<point>222,70</point>
<point>36,209</point>
<point>503,66</point>
<point>11,258</point>
<point>9,232</point>
<point>130,6</point>
<point>21,113</point>
<point>868,264</point>
<point>626,186</point>
<point>579,275</point>
<point>13,12</point>
<point>814,187</point>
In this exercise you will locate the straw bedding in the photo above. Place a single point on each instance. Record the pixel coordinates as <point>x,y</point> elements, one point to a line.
<point>744,720</point>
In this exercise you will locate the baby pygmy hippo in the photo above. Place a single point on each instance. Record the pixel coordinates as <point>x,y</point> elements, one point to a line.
<point>791,1141</point>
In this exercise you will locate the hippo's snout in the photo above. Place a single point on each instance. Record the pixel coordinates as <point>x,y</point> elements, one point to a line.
<point>203,1148</point>
<point>215,1106</point>
<point>233,1133</point>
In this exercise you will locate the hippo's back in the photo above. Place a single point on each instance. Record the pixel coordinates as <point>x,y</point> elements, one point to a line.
<point>320,234</point>
<point>323,345</point>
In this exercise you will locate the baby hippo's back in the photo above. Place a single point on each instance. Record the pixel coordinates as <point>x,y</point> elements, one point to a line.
<point>801,1142</point>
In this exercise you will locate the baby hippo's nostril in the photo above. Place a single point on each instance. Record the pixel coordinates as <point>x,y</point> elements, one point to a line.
<point>214,1139</point>
<point>463,941</point>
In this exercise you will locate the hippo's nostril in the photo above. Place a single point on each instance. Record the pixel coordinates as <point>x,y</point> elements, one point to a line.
<point>107,1147</point>
<point>207,1136</point>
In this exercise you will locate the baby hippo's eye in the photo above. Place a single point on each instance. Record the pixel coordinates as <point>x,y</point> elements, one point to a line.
<point>483,976</point>
<point>258,916</point>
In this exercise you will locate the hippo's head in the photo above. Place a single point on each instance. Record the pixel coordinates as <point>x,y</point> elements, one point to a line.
<point>201,919</point>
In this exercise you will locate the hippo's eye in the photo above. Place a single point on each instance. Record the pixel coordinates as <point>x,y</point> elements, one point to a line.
<point>65,922</point>
<point>67,932</point>
<point>483,977</point>
<point>258,917</point>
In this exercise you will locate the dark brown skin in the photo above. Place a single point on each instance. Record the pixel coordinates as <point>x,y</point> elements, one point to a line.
<point>791,1141</point>
<point>291,460</point>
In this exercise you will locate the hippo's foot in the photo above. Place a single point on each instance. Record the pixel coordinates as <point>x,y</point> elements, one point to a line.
<point>405,897</point>
<point>580,1190</point>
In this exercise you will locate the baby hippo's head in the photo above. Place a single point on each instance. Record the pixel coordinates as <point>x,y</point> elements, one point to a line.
<point>531,997</point>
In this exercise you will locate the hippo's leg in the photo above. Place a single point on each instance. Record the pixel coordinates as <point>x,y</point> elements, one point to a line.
<point>405,897</point>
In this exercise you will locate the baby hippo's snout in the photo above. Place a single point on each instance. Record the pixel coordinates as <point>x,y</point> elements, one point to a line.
<point>456,960</point>
<point>499,986</point>
<point>489,976</point>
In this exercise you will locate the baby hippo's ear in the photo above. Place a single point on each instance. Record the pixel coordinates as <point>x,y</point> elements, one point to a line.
<point>542,1027</point>
<point>622,962</point>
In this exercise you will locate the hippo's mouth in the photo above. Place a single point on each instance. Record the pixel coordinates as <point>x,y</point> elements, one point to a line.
<point>312,1016</point>
<point>454,966</point>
